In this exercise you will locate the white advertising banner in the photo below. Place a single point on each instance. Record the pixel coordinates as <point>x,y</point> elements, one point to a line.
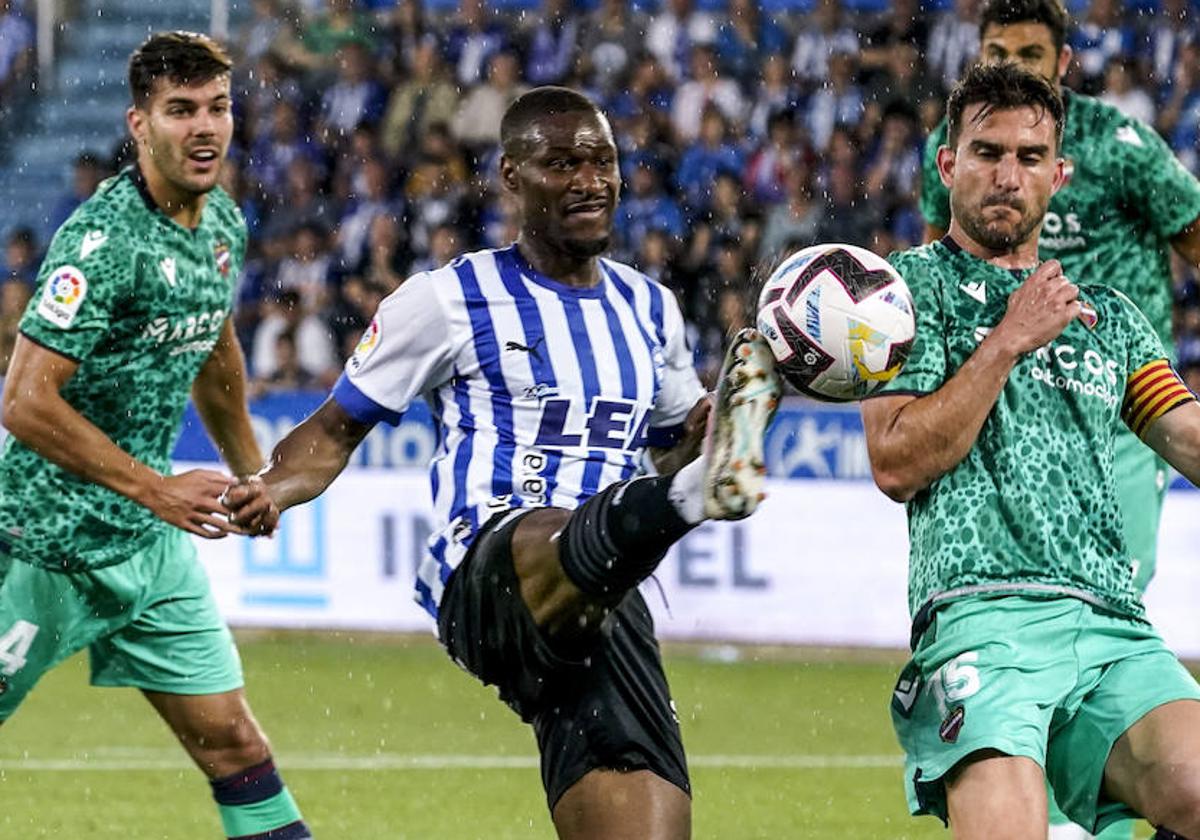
<point>822,562</point>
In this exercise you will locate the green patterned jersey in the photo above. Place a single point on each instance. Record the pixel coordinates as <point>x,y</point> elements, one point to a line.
<point>1126,198</point>
<point>1033,506</point>
<point>139,302</point>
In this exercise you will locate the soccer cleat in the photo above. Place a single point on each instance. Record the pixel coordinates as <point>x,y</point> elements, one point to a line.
<point>747,395</point>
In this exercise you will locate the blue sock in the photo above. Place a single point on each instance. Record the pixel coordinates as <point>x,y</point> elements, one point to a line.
<point>255,805</point>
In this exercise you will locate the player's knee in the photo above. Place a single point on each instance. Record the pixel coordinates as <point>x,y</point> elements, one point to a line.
<point>225,746</point>
<point>1176,793</point>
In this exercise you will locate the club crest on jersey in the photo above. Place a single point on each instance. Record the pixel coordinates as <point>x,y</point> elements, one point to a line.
<point>952,725</point>
<point>367,344</point>
<point>221,254</point>
<point>65,291</point>
<point>1088,314</point>
<point>1068,171</point>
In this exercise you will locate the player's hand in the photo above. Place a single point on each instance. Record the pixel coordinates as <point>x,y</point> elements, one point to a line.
<point>192,501</point>
<point>690,443</point>
<point>695,425</point>
<point>251,507</point>
<point>1039,310</point>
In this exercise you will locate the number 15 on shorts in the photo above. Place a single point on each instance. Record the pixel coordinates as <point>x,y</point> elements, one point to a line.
<point>956,680</point>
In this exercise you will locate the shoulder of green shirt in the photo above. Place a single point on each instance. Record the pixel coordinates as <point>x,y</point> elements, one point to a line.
<point>102,222</point>
<point>918,255</point>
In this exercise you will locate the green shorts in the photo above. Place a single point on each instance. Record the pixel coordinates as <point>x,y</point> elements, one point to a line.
<point>149,622</point>
<point>1055,680</point>
<point>1141,486</point>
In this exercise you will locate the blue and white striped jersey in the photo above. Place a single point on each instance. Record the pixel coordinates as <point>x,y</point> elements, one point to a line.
<point>544,393</point>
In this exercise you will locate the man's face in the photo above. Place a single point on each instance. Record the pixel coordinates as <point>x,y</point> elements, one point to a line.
<point>1002,174</point>
<point>1028,45</point>
<point>184,131</point>
<point>87,177</point>
<point>18,254</point>
<point>567,186</point>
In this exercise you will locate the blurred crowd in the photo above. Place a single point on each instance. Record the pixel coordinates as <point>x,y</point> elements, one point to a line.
<point>366,145</point>
<point>16,51</point>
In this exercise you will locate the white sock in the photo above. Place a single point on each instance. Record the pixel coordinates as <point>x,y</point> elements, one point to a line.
<point>687,491</point>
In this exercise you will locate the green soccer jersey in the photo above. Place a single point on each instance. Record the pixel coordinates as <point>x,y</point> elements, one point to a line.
<point>139,302</point>
<point>1126,197</point>
<point>1033,506</point>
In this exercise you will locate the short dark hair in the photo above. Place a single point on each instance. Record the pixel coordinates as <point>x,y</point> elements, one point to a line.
<point>529,107</point>
<point>88,158</point>
<point>1049,13</point>
<point>183,58</point>
<point>1002,87</point>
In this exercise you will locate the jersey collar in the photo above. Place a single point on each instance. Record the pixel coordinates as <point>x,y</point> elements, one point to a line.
<point>139,181</point>
<point>953,247</point>
<point>562,289</point>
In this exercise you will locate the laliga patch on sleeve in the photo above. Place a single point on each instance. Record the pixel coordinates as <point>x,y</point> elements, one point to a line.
<point>366,345</point>
<point>64,293</point>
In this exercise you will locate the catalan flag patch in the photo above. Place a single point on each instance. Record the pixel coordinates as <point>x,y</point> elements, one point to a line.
<point>1151,391</point>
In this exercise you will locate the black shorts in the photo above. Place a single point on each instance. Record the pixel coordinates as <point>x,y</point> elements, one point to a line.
<point>610,710</point>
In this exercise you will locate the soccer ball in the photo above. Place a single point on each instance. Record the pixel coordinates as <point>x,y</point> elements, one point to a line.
<point>839,319</point>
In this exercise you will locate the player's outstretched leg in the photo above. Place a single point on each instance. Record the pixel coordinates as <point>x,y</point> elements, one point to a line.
<point>221,735</point>
<point>747,395</point>
<point>618,537</point>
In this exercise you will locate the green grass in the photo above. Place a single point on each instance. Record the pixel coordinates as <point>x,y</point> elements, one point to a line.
<point>333,704</point>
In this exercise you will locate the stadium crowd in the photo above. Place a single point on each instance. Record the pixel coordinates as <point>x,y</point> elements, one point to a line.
<point>366,145</point>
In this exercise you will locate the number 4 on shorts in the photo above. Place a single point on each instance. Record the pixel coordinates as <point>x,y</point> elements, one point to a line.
<point>14,647</point>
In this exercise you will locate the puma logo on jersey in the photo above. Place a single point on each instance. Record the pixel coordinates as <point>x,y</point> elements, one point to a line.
<point>168,270</point>
<point>981,333</point>
<point>531,349</point>
<point>1127,134</point>
<point>92,240</point>
<point>976,290</point>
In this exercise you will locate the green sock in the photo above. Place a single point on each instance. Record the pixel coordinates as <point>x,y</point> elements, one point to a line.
<point>255,805</point>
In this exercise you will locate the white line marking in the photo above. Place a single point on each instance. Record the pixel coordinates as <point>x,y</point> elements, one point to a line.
<point>130,759</point>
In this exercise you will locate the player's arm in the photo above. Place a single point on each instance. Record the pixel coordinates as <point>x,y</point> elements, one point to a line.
<point>914,440</point>
<point>1157,187</point>
<point>36,414</point>
<point>1176,437</point>
<point>302,465</point>
<point>219,394</point>
<point>687,448</point>
<point>675,443</point>
<point>407,348</point>
<point>935,196</point>
<point>1160,410</point>
<point>1187,243</point>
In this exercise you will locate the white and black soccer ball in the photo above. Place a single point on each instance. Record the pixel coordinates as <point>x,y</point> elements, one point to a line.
<point>839,319</point>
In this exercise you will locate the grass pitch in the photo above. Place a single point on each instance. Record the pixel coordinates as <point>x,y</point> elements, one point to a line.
<point>382,737</point>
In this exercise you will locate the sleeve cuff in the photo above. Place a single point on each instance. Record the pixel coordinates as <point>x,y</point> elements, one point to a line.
<point>47,346</point>
<point>664,437</point>
<point>359,406</point>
